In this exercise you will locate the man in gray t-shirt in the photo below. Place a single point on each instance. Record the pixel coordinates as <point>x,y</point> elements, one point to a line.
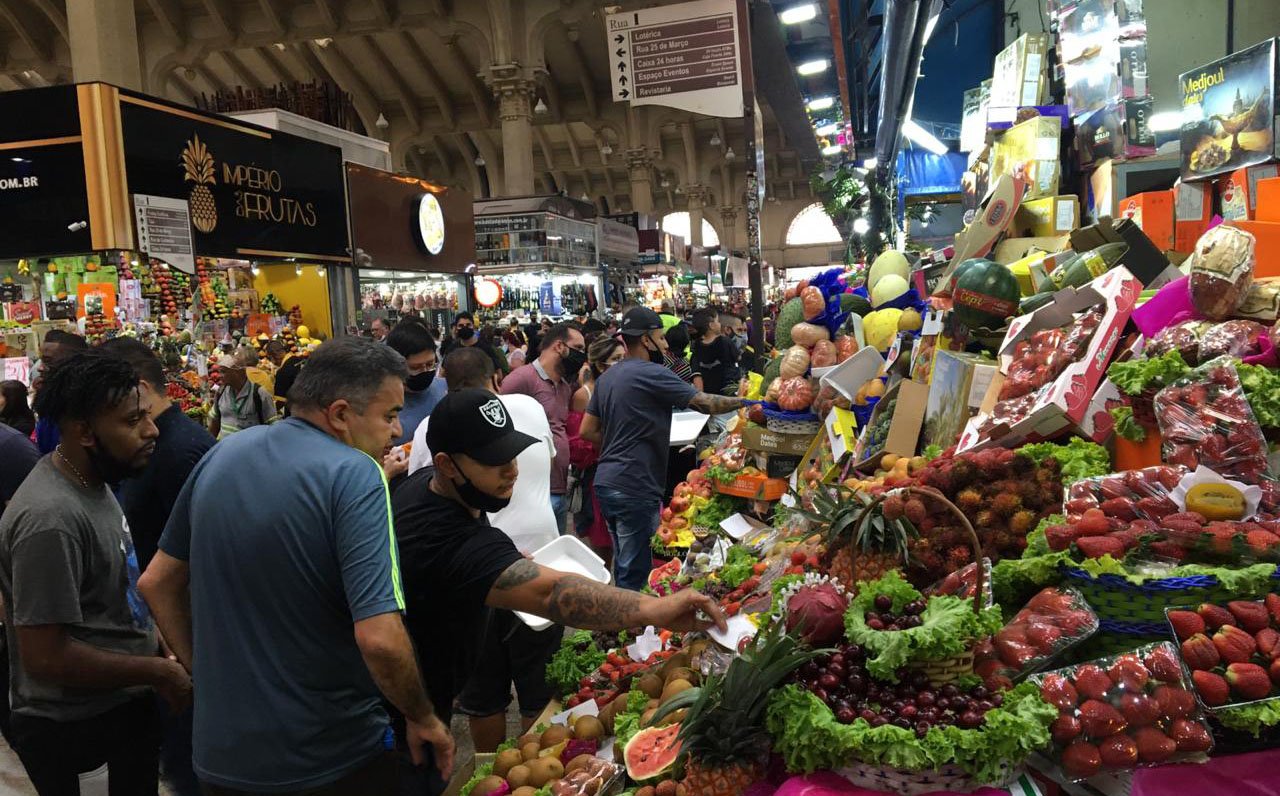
<point>83,653</point>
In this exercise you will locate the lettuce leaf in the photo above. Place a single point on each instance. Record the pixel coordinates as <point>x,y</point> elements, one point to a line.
<point>1014,580</point>
<point>481,772</point>
<point>1126,427</point>
<point>627,723</point>
<point>1078,458</point>
<point>809,738</point>
<point>1134,376</point>
<point>948,627</point>
<point>738,564</point>
<point>1252,718</point>
<point>577,657</point>
<point>1262,390</point>
<point>1250,581</point>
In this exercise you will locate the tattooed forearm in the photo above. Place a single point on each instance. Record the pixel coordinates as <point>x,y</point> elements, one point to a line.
<point>587,605</point>
<point>518,574</point>
<point>714,404</point>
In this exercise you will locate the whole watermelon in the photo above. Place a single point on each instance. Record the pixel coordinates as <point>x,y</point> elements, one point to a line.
<point>986,293</point>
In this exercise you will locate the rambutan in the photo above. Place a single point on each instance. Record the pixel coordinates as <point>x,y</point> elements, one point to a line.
<point>892,507</point>
<point>915,511</point>
<point>986,519</point>
<point>958,556</point>
<point>1005,504</point>
<point>969,500</point>
<point>1021,466</point>
<point>1023,522</point>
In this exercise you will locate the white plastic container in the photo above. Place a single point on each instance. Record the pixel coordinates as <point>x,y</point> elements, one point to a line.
<point>567,554</point>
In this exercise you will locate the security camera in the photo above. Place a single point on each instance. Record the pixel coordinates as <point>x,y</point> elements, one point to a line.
<point>76,226</point>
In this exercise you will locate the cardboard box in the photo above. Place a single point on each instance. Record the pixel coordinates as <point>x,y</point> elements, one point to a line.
<point>1153,213</point>
<point>753,487</point>
<point>755,438</point>
<point>993,218</point>
<point>1228,110</point>
<point>1063,403</point>
<point>1238,191</point>
<point>1103,51</point>
<point>1030,151</point>
<point>1268,200</point>
<point>973,121</point>
<point>1018,76</point>
<point>1267,249</point>
<point>902,408</point>
<point>1192,211</point>
<point>1119,130</point>
<point>1048,216</point>
<point>956,389</point>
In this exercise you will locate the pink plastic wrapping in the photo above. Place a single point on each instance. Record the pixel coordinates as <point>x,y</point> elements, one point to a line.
<point>1206,420</point>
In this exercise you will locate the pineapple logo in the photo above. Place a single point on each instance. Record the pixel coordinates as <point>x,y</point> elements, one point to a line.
<point>197,167</point>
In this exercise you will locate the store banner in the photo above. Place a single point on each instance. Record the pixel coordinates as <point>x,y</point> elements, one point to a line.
<point>392,217</point>
<point>44,204</point>
<point>252,192</point>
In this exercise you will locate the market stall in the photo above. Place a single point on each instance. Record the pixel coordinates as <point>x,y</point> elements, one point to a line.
<point>542,251</point>
<point>414,241</point>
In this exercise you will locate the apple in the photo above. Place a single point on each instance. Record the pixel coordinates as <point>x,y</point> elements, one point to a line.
<point>695,477</point>
<point>683,490</point>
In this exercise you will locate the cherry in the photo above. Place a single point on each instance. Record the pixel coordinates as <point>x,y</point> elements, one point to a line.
<point>828,681</point>
<point>853,652</point>
<point>820,694</point>
<point>925,698</point>
<point>970,720</point>
<point>901,722</point>
<point>875,624</point>
<point>883,602</point>
<point>836,669</point>
<point>857,683</point>
<point>997,700</point>
<point>949,690</point>
<point>979,692</point>
<point>810,669</point>
<point>942,703</point>
<point>846,715</point>
<point>837,659</point>
<point>879,721</point>
<point>909,711</point>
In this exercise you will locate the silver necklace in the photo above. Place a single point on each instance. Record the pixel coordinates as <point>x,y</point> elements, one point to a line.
<point>67,462</point>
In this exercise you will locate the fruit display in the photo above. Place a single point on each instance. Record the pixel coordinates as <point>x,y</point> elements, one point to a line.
<point>560,757</point>
<point>1206,420</point>
<point>963,582</point>
<point>1232,650</point>
<point>1039,359</point>
<point>985,295</point>
<point>1052,622</point>
<point>1123,712</point>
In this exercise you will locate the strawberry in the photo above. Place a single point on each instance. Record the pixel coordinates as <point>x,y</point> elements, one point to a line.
<point>1200,652</point>
<point>1118,751</point>
<point>1190,736</point>
<point>1215,616</point>
<point>1268,640</point>
<point>1049,601</point>
<point>1072,622</point>
<point>1128,671</point>
<point>1065,729</point>
<point>1015,654</point>
<point>1248,681</point>
<point>1186,624</point>
<point>1163,664</point>
<point>1175,702</point>
<point>1043,636</point>
<point>1261,541</point>
<point>1058,691</point>
<point>1154,746</point>
<point>1213,689</point>
<point>1100,719</point>
<point>1252,616</point>
<point>1274,671</point>
<point>1234,645</point>
<point>1120,507</point>
<point>1092,682</point>
<point>1081,760</point>
<point>1272,602</point>
<point>1139,709</point>
<point>1060,537</point>
<point>1099,546</point>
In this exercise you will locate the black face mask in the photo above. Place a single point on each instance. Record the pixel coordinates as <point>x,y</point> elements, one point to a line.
<point>572,361</point>
<point>473,497</point>
<point>418,382</point>
<point>655,353</point>
<point>466,332</point>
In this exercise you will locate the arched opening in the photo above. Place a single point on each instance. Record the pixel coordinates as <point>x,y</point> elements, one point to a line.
<point>678,224</point>
<point>812,226</point>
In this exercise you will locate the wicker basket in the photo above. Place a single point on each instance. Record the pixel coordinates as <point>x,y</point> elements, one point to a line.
<point>946,670</point>
<point>783,422</point>
<point>911,783</point>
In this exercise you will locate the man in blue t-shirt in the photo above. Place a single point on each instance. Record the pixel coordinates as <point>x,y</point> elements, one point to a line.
<point>629,419</point>
<point>422,390</point>
<point>277,580</point>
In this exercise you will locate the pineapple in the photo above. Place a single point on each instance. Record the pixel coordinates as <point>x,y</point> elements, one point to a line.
<point>880,544</point>
<point>723,735</point>
<point>197,167</point>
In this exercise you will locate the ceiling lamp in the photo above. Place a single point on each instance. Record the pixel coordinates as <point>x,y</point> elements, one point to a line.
<point>540,106</point>
<point>606,150</point>
<point>479,161</point>
<point>922,137</point>
<point>715,139</point>
<point>730,155</point>
<point>821,103</point>
<point>797,14</point>
<point>815,67</point>
<point>827,129</point>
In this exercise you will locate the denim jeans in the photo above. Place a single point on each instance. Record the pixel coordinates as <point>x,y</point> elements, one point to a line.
<point>560,508</point>
<point>632,521</point>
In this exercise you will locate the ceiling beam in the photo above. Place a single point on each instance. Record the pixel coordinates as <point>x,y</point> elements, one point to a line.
<point>189,90</point>
<point>438,146</point>
<point>479,94</point>
<point>340,67</point>
<point>215,83</point>
<point>270,10</point>
<point>169,14</point>
<point>544,143</point>
<point>437,86</point>
<point>608,180</point>
<point>573,146</point>
<point>404,94</point>
<point>328,14</point>
<point>55,14</point>
<point>221,15</point>
<point>25,32</point>
<point>276,65</point>
<point>584,75</point>
<point>382,11</point>
<point>247,78</point>
<point>554,102</point>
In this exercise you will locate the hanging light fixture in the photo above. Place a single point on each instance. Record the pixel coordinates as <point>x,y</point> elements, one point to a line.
<point>540,106</point>
<point>715,139</point>
<point>730,155</point>
<point>297,270</point>
<point>480,160</point>
<point>254,269</point>
<point>320,271</point>
<point>606,150</point>
<point>665,182</point>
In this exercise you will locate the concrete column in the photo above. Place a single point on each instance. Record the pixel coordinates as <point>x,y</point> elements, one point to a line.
<point>696,199</point>
<point>515,87</point>
<point>640,172</point>
<point>104,42</point>
<point>729,233</point>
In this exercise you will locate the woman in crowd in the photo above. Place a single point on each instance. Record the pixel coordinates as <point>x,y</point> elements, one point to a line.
<point>712,354</point>
<point>15,410</point>
<point>589,522</point>
<point>677,341</point>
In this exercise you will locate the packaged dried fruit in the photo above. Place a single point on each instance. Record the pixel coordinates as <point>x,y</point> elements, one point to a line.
<point>1231,650</point>
<point>1221,271</point>
<point>1041,358</point>
<point>1124,711</point>
<point>1206,420</point>
<point>963,582</point>
<point>1238,339</point>
<point>1127,496</point>
<point>1049,624</point>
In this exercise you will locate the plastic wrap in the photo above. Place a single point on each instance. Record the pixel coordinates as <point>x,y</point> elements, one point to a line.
<point>1122,712</point>
<point>1230,650</point>
<point>1127,496</point>
<point>1206,420</point>
<point>1181,337</point>
<point>963,582</point>
<point>1042,357</point>
<point>1238,339</point>
<point>1052,622</point>
<point>593,777</point>
<point>1221,270</point>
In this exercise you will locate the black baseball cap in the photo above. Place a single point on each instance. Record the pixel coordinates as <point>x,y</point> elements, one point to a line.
<point>637,321</point>
<point>474,422</point>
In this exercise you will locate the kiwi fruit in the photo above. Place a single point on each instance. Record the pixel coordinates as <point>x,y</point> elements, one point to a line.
<point>505,761</point>
<point>674,717</point>
<point>681,673</point>
<point>518,776</point>
<point>647,716</point>
<point>588,728</point>
<point>577,763</point>
<point>490,784</point>
<point>610,712</point>
<point>528,737</point>
<point>647,790</point>
<point>651,684</point>
<point>678,661</point>
<point>666,787</point>
<point>553,735</point>
<point>539,773</point>
<point>524,790</point>
<point>530,751</point>
<point>675,687</point>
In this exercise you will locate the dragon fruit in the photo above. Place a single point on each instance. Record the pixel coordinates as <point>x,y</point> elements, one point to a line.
<point>816,613</point>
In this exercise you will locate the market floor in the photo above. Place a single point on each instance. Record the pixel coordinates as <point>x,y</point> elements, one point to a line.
<point>14,782</point>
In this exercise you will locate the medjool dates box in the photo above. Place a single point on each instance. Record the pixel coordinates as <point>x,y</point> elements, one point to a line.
<point>1229,113</point>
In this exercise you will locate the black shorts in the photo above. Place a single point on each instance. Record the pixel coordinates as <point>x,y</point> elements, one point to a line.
<point>510,651</point>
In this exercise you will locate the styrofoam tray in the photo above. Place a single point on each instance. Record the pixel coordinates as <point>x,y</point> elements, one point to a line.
<point>567,554</point>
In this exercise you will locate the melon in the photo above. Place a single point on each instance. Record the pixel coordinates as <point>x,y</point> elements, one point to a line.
<point>881,327</point>
<point>986,293</point>
<point>890,261</point>
<point>852,302</point>
<point>791,313</point>
<point>890,287</point>
<point>652,752</point>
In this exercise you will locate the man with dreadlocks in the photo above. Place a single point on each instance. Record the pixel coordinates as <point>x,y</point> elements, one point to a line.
<point>85,660</point>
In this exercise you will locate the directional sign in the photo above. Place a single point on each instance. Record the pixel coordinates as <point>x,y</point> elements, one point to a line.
<point>683,56</point>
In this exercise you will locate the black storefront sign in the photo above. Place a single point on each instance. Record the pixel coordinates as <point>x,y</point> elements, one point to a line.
<point>44,206</point>
<point>252,192</point>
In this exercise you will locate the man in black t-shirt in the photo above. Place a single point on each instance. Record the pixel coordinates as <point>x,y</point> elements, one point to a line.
<point>454,563</point>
